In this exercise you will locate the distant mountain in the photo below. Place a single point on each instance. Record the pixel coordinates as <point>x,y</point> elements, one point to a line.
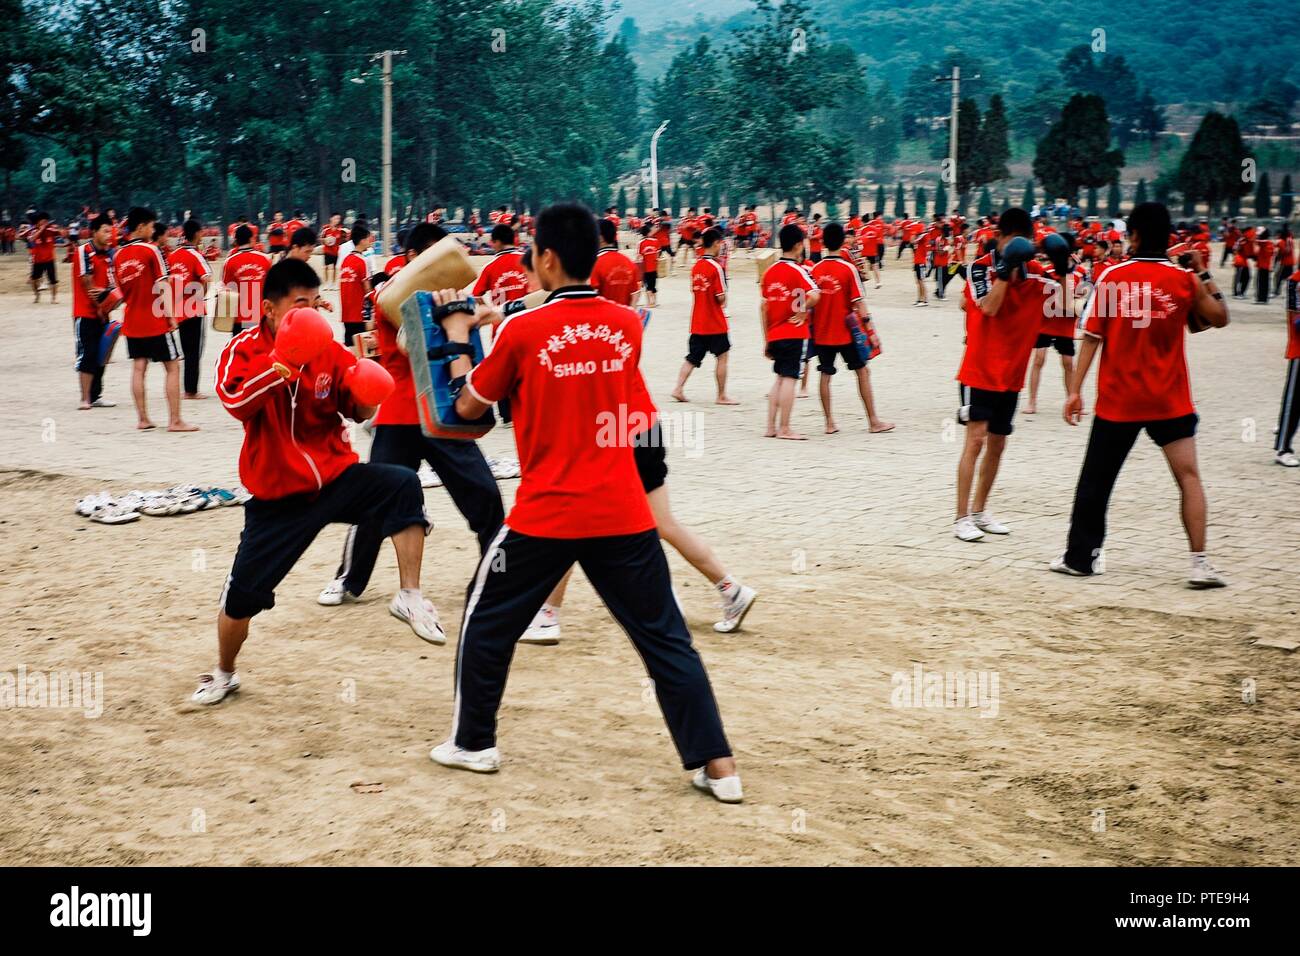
<point>1183,50</point>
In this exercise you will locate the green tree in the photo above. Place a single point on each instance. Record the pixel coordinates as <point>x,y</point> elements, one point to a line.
<point>1075,152</point>
<point>941,198</point>
<point>885,130</point>
<point>640,199</point>
<point>900,202</point>
<point>1286,199</point>
<point>1093,208</point>
<point>985,206</point>
<point>1263,198</point>
<point>993,145</point>
<point>1114,201</point>
<point>854,209</point>
<point>879,205</point>
<point>919,203</point>
<point>1028,200</point>
<point>1211,166</point>
<point>1140,195</point>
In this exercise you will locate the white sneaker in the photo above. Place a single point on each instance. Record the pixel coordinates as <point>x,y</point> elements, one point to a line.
<point>724,790</point>
<point>986,522</point>
<point>335,594</point>
<point>1060,567</point>
<point>103,403</point>
<point>734,610</point>
<point>212,691</point>
<point>476,761</point>
<point>966,529</point>
<point>421,615</point>
<point>428,477</point>
<point>1287,459</point>
<point>545,628</point>
<point>1205,575</point>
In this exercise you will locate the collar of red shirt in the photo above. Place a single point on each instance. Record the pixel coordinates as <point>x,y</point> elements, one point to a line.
<point>572,292</point>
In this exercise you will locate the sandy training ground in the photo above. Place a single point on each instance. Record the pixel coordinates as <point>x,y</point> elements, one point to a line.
<point>1119,720</point>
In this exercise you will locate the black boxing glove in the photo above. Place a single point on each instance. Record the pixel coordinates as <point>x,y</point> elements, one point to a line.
<point>1057,249</point>
<point>1014,256</point>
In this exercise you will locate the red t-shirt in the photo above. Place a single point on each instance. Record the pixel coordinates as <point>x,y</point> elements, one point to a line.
<point>42,240</point>
<point>785,284</point>
<point>840,286</point>
<point>569,368</point>
<point>189,265</point>
<point>615,276</point>
<point>331,237</point>
<point>1264,254</point>
<point>708,281</point>
<point>648,250</point>
<point>243,272</point>
<point>353,276</point>
<point>137,267</point>
<point>504,277</point>
<point>394,265</point>
<point>277,235</point>
<point>1139,310</point>
<point>399,407</point>
<point>998,346</point>
<point>815,239</point>
<point>89,261</point>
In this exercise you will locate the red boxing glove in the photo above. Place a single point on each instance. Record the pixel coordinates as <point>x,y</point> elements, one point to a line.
<point>303,334</point>
<point>368,383</point>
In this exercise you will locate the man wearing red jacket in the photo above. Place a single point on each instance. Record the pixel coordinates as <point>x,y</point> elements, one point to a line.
<point>289,382</point>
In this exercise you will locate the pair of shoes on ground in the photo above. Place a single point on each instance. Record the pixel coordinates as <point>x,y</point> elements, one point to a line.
<point>447,754</point>
<point>545,626</point>
<point>973,527</point>
<point>417,611</point>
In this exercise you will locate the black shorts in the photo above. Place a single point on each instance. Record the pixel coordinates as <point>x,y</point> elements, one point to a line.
<point>877,258</point>
<point>331,258</point>
<point>826,358</point>
<point>921,269</point>
<point>651,281</point>
<point>45,269</point>
<point>981,405</point>
<point>89,333</point>
<point>1162,431</point>
<point>1064,344</point>
<point>651,458</point>
<point>699,345</point>
<point>155,348</point>
<point>786,355</point>
<point>279,530</point>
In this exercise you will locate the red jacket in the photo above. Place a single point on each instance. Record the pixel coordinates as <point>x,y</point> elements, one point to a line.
<point>294,436</point>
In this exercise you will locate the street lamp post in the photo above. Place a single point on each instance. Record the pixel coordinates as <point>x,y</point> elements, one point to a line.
<point>654,165</point>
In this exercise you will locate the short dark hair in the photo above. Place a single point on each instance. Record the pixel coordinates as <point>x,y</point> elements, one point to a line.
<point>191,229</point>
<point>568,229</point>
<point>422,236</point>
<point>303,236</point>
<point>833,236</point>
<point>287,275</point>
<point>243,235</point>
<point>359,232</point>
<point>137,217</point>
<point>1150,220</point>
<point>503,233</point>
<point>159,230</point>
<point>790,237</point>
<point>608,231</point>
<point>710,237</point>
<point>1015,221</point>
<point>99,222</point>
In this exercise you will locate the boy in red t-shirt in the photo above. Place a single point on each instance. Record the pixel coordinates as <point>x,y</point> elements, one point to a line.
<point>788,294</point>
<point>1138,316</point>
<point>571,369</point>
<point>41,238</point>
<point>1289,417</point>
<point>709,328</point>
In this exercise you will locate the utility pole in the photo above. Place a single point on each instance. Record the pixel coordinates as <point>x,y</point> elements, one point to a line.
<point>955,109</point>
<point>654,165</point>
<point>386,203</point>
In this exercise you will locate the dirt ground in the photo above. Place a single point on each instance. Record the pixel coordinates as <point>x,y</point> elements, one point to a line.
<point>1123,720</point>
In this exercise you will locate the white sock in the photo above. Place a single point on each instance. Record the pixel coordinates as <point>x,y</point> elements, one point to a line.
<point>1198,558</point>
<point>727,586</point>
<point>411,594</point>
<point>220,676</point>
